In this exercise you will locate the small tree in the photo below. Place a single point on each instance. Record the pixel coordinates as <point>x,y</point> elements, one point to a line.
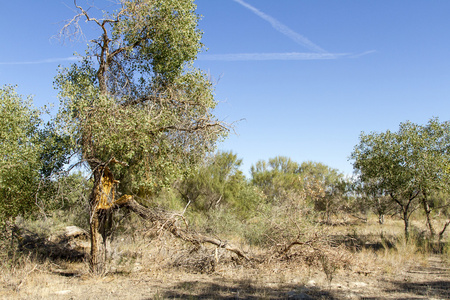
<point>374,199</point>
<point>407,165</point>
<point>431,148</point>
<point>139,113</point>
<point>19,154</point>
<point>278,179</point>
<point>325,187</point>
<point>30,154</point>
<point>219,182</point>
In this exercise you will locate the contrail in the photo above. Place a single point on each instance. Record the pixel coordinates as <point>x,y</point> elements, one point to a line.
<point>42,61</point>
<point>270,56</point>
<point>298,38</point>
<point>364,53</point>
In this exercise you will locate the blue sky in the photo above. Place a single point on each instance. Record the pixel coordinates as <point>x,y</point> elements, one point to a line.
<point>305,77</point>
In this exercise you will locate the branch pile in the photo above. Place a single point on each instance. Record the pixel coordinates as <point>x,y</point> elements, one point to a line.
<point>169,221</point>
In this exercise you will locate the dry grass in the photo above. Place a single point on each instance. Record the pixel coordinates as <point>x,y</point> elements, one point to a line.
<point>359,259</point>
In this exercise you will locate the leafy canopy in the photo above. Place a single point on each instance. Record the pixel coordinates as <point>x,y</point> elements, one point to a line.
<point>20,151</point>
<point>136,96</point>
<point>220,183</point>
<point>404,163</point>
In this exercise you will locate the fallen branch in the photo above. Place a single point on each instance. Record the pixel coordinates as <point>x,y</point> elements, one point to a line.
<point>168,220</point>
<point>310,243</point>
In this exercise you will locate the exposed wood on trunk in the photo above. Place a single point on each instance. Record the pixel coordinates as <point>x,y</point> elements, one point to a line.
<point>102,204</point>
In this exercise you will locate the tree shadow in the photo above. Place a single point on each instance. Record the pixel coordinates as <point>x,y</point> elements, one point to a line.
<point>403,290</point>
<point>241,289</point>
<point>42,248</point>
<point>357,242</point>
<point>435,289</point>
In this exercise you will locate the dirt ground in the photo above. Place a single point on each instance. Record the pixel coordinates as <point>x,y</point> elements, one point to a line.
<point>167,268</point>
<point>261,281</point>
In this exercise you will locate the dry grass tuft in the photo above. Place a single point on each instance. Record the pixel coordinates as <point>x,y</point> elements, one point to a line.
<point>147,264</point>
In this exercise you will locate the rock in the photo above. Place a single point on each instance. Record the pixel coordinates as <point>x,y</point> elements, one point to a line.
<point>75,232</point>
<point>310,283</point>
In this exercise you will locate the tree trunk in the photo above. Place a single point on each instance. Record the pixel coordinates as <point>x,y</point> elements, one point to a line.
<point>426,208</point>
<point>381,219</point>
<point>406,221</point>
<point>95,263</point>
<point>100,203</point>
<point>441,234</point>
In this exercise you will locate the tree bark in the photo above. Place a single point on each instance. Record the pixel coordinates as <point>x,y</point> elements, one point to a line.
<point>94,263</point>
<point>406,222</point>
<point>426,208</point>
<point>441,234</point>
<point>101,200</point>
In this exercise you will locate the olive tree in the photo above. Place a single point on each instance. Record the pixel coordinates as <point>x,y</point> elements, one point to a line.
<point>138,112</point>
<point>408,165</point>
<point>19,154</point>
<point>431,154</point>
<point>31,153</point>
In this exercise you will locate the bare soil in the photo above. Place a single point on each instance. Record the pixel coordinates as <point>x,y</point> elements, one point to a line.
<point>167,268</point>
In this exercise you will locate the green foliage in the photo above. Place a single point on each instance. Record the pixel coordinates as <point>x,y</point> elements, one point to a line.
<point>219,182</point>
<point>30,153</point>
<point>404,162</point>
<point>20,151</point>
<point>405,166</point>
<point>284,181</point>
<point>278,178</point>
<point>142,102</point>
<point>56,151</point>
<point>162,33</point>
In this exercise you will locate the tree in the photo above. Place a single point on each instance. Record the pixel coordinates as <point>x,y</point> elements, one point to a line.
<point>139,113</point>
<point>284,181</point>
<point>277,178</point>
<point>438,204</point>
<point>430,146</point>
<point>219,182</point>
<point>377,200</point>
<point>19,154</point>
<point>324,186</point>
<point>30,154</point>
<point>407,165</point>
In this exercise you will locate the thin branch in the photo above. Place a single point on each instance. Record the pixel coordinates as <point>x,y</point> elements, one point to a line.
<point>441,234</point>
